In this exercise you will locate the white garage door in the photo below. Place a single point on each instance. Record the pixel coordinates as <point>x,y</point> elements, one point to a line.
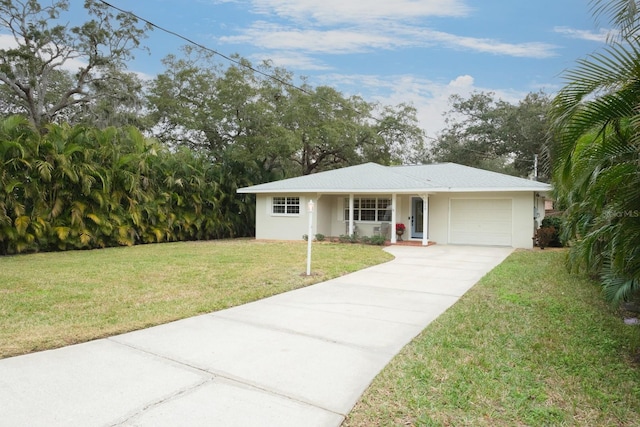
<point>480,222</point>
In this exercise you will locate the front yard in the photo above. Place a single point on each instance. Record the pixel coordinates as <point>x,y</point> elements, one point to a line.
<point>50,300</point>
<point>530,345</point>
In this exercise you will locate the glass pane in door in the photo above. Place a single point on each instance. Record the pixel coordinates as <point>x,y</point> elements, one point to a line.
<point>417,215</point>
<point>417,218</point>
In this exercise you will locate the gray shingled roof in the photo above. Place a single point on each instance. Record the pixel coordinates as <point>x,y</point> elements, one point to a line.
<point>375,178</point>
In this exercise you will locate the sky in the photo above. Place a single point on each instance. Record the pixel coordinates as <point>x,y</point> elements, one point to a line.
<point>388,51</point>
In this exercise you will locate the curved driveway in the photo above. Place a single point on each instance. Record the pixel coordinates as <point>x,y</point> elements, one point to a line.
<point>299,358</point>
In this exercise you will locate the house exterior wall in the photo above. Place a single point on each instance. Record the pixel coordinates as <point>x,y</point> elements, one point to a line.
<point>323,218</point>
<point>439,218</point>
<point>283,227</point>
<point>328,217</point>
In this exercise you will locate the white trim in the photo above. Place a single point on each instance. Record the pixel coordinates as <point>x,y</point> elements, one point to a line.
<point>352,227</point>
<point>285,214</point>
<point>394,204</point>
<point>425,219</point>
<point>333,192</point>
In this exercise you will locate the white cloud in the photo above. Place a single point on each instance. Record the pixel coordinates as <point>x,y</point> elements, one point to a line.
<point>357,26</point>
<point>348,11</point>
<point>496,47</point>
<point>331,41</point>
<point>430,98</point>
<point>7,41</point>
<point>357,39</point>
<point>462,82</point>
<point>291,59</point>
<point>600,36</point>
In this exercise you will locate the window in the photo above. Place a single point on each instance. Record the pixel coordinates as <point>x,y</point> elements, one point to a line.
<point>370,209</point>
<point>285,206</point>
<point>384,210</point>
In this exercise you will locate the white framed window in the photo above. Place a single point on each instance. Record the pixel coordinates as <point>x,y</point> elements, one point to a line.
<point>285,206</point>
<point>369,209</point>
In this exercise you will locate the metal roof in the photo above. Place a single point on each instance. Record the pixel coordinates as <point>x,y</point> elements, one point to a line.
<point>375,178</point>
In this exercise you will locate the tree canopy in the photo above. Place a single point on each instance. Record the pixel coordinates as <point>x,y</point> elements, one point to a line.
<point>37,77</point>
<point>492,134</point>
<point>287,129</point>
<point>74,173</point>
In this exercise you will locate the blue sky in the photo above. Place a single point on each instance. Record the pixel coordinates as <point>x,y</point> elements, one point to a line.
<point>391,51</point>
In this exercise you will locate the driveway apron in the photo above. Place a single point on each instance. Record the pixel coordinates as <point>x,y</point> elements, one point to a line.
<point>299,358</point>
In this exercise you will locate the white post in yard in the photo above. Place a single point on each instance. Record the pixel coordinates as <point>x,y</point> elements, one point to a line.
<point>309,236</point>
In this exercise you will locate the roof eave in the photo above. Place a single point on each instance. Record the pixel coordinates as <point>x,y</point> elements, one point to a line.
<point>247,190</point>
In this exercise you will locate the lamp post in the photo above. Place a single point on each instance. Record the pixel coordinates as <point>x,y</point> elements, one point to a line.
<point>309,236</point>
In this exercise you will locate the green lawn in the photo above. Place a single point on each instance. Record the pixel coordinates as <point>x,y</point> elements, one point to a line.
<point>50,300</point>
<point>530,345</point>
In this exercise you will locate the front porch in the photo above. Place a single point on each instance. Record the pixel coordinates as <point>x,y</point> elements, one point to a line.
<point>378,215</point>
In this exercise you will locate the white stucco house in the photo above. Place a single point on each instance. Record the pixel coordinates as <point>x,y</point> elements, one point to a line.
<point>443,203</point>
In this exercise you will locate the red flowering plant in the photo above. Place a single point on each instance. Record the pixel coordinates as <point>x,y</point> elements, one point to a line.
<point>400,227</point>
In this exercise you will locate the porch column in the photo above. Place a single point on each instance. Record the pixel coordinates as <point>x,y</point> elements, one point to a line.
<point>392,227</point>
<point>425,219</point>
<point>351,203</point>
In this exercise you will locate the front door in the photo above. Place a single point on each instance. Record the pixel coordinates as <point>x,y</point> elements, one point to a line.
<point>417,217</point>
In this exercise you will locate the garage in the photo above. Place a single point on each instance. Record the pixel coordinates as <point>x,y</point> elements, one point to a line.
<point>481,222</point>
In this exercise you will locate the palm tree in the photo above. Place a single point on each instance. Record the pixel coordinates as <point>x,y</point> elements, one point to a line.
<point>16,142</point>
<point>597,173</point>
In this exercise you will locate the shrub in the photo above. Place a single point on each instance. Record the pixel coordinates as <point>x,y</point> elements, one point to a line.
<point>344,238</point>
<point>85,188</point>
<point>554,222</point>
<point>377,240</point>
<point>305,237</point>
<point>320,237</point>
<point>365,240</point>
<point>544,236</point>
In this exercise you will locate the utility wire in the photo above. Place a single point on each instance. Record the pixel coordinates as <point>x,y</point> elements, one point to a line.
<point>234,61</point>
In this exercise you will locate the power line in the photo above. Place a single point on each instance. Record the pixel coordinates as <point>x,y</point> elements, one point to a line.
<point>235,61</point>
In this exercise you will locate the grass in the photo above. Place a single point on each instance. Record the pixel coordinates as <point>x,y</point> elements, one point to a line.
<point>530,345</point>
<point>50,300</point>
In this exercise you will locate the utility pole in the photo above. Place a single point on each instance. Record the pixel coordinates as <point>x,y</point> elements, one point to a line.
<point>535,167</point>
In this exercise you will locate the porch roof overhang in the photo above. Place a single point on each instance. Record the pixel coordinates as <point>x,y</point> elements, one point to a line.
<point>371,178</point>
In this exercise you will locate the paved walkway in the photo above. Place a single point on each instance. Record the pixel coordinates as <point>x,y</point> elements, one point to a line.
<point>299,358</point>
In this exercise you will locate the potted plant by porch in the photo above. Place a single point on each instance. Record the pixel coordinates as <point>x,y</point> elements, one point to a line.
<point>400,231</point>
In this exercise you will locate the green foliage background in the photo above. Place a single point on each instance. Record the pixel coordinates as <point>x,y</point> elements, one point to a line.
<point>597,173</point>
<point>80,188</point>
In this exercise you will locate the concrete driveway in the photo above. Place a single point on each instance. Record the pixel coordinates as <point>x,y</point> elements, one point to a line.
<point>299,358</point>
